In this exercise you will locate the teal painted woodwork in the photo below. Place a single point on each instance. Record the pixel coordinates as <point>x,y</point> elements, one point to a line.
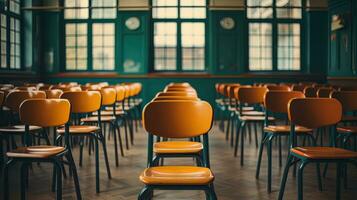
<point>316,42</point>
<point>228,48</point>
<point>341,40</point>
<point>133,44</point>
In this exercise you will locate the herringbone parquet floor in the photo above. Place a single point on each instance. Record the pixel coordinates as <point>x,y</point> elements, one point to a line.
<point>232,182</point>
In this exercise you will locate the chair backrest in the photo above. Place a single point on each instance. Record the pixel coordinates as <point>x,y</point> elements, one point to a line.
<point>45,112</point>
<point>324,92</point>
<point>14,99</point>
<point>348,99</point>
<point>251,95</point>
<point>108,96</point>
<point>25,88</point>
<point>278,88</point>
<point>53,94</point>
<point>176,94</point>
<point>314,112</point>
<point>179,89</point>
<point>185,84</point>
<point>177,119</point>
<point>83,101</point>
<point>277,101</point>
<point>300,88</point>
<point>230,90</point>
<point>160,98</point>
<point>310,91</point>
<point>120,90</point>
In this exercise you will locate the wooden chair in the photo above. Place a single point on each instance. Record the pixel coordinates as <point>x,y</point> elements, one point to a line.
<point>314,113</point>
<point>42,113</point>
<point>86,102</point>
<point>278,88</point>
<point>276,103</point>
<point>324,92</point>
<point>300,88</point>
<point>251,96</point>
<point>311,91</point>
<point>53,94</point>
<point>183,119</point>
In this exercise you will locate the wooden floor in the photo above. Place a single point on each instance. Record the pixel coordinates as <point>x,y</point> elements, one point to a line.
<point>232,181</point>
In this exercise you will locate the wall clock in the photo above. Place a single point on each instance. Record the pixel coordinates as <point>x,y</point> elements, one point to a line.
<point>132,23</point>
<point>227,23</point>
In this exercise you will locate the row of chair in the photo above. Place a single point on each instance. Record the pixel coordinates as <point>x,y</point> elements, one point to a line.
<point>269,104</point>
<point>177,113</point>
<point>89,110</point>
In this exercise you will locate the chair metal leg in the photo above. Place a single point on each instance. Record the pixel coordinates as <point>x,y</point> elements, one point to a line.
<point>69,158</point>
<point>23,181</point>
<point>300,184</point>
<point>338,180</point>
<point>285,177</point>
<point>242,144</point>
<point>228,126</point>
<point>261,149</point>
<point>58,180</point>
<point>239,131</point>
<point>238,126</point>
<point>97,187</point>
<point>280,154</point>
<point>145,193</point>
<point>212,193</point>
<point>102,139</point>
<point>81,141</point>
<point>269,152</point>
<point>126,133</point>
<point>115,146</point>
<point>120,141</point>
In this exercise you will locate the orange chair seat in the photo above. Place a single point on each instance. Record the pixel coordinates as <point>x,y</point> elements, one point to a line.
<point>18,129</point>
<point>177,175</point>
<point>255,118</point>
<point>95,119</point>
<point>35,152</point>
<point>324,152</point>
<point>348,118</point>
<point>347,129</point>
<point>79,129</point>
<point>285,129</point>
<point>109,113</point>
<point>178,147</point>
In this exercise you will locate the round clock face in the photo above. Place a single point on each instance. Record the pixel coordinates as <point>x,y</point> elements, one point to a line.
<point>132,23</point>
<point>227,23</point>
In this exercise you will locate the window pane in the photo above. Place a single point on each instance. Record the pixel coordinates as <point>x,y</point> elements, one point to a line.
<point>165,42</point>
<point>260,13</point>
<point>104,9</point>
<point>103,46</point>
<point>76,9</point>
<point>260,46</point>
<point>193,13</point>
<point>193,43</point>
<point>288,46</point>
<point>259,2</point>
<point>14,6</point>
<point>76,46</point>
<point>165,2</point>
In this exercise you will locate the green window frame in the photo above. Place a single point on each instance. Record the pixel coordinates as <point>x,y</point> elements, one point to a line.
<point>10,35</point>
<point>275,35</point>
<point>87,46</point>
<point>179,35</point>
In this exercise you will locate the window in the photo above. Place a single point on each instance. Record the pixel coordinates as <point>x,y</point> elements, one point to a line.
<point>274,34</point>
<point>10,41</point>
<point>90,34</point>
<point>179,35</point>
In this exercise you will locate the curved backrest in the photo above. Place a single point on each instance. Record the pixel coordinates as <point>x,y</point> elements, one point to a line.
<point>46,87</point>
<point>45,112</point>
<point>179,89</point>
<point>25,88</point>
<point>251,95</point>
<point>177,119</point>
<point>161,98</point>
<point>300,88</point>
<point>277,101</point>
<point>176,94</point>
<point>185,84</point>
<point>310,91</point>
<point>108,96</point>
<point>14,99</point>
<point>230,90</point>
<point>83,101</point>
<point>120,90</point>
<point>314,112</point>
<point>278,88</point>
<point>324,92</point>
<point>348,99</point>
<point>53,94</point>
